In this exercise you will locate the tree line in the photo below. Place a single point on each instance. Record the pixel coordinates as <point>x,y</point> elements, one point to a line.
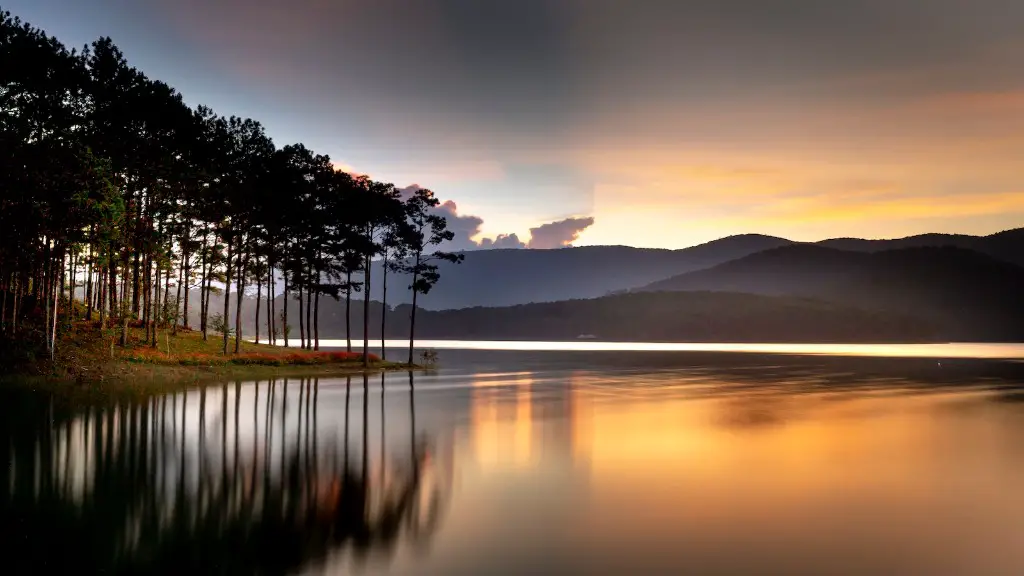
<point>117,200</point>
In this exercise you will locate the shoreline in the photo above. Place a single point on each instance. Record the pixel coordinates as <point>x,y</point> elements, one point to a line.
<point>88,363</point>
<point>147,379</point>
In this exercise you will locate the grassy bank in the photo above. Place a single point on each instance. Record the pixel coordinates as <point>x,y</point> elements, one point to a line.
<point>88,359</point>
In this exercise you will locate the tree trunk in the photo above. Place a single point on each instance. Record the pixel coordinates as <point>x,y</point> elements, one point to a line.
<point>165,309</point>
<point>256,320</point>
<point>204,273</point>
<point>99,297</point>
<point>285,330</point>
<point>309,312</point>
<point>112,279</point>
<point>3,308</point>
<point>17,305</point>
<point>270,305</point>
<point>46,319</point>
<point>243,265</point>
<point>156,306</point>
<point>73,265</point>
<point>147,295</point>
<point>383,307</point>
<point>56,305</point>
<point>185,270</point>
<point>227,298</point>
<point>209,292</point>
<point>348,312</point>
<point>302,326</point>
<point>177,296</point>
<point>366,313</point>
<point>135,284</point>
<point>412,314</point>
<point>88,286</point>
<point>316,319</point>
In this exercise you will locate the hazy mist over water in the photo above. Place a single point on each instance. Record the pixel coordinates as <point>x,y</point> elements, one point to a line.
<point>517,462</point>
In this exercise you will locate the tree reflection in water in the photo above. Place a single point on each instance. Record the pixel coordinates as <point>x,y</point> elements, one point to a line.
<point>171,485</point>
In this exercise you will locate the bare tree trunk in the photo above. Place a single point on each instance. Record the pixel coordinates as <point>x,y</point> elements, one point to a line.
<point>156,305</point>
<point>3,307</point>
<point>242,269</point>
<point>412,315</point>
<point>56,306</point>
<point>348,312</point>
<point>177,296</point>
<point>99,296</point>
<point>203,302</point>
<point>167,293</point>
<point>383,307</point>
<point>366,312</point>
<point>17,305</point>
<point>112,279</point>
<point>270,304</point>
<point>227,298</point>
<point>302,326</point>
<point>147,294</point>
<point>186,269</point>
<point>73,265</point>
<point>256,320</point>
<point>309,312</point>
<point>135,284</point>
<point>46,320</point>
<point>316,320</point>
<point>88,286</point>
<point>285,329</point>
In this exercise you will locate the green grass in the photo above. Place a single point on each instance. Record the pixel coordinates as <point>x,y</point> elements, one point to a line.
<point>92,362</point>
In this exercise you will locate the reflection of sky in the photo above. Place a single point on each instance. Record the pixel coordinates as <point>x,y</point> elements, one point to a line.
<point>669,122</point>
<point>544,468</point>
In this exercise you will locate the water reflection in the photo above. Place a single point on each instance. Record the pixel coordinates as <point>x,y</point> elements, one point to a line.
<point>238,478</point>
<point>534,465</point>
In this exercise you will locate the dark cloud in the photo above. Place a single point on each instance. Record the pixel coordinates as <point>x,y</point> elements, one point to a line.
<point>558,234</point>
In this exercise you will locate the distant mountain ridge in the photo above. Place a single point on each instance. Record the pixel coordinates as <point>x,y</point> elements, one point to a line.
<point>799,290</point>
<point>511,277</point>
<point>970,295</point>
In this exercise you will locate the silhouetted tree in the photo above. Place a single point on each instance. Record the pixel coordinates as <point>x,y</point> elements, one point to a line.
<point>427,229</point>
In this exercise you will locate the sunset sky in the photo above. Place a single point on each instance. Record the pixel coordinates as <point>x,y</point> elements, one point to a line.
<point>668,122</point>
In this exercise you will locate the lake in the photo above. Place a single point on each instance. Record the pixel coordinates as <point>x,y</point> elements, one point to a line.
<point>534,462</point>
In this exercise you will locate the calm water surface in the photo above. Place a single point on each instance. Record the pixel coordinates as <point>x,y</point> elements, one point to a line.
<point>533,463</point>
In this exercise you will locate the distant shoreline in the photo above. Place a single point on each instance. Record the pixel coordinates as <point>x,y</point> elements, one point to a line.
<point>964,350</point>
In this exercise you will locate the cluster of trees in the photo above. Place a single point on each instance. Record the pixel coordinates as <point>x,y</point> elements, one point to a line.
<point>115,193</point>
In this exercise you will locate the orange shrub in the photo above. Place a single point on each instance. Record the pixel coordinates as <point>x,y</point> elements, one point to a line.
<point>151,356</point>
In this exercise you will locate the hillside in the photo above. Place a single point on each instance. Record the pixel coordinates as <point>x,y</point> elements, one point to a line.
<point>509,277</point>
<point>968,295</point>
<point>665,316</point>
<point>678,317</point>
<point>1007,245</point>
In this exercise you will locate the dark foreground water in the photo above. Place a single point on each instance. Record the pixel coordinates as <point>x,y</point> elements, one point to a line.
<point>533,463</point>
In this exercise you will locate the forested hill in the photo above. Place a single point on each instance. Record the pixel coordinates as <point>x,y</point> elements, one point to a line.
<point>968,295</point>
<point>686,317</point>
<point>509,277</point>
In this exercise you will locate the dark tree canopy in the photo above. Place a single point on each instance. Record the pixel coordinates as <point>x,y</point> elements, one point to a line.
<point>117,200</point>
